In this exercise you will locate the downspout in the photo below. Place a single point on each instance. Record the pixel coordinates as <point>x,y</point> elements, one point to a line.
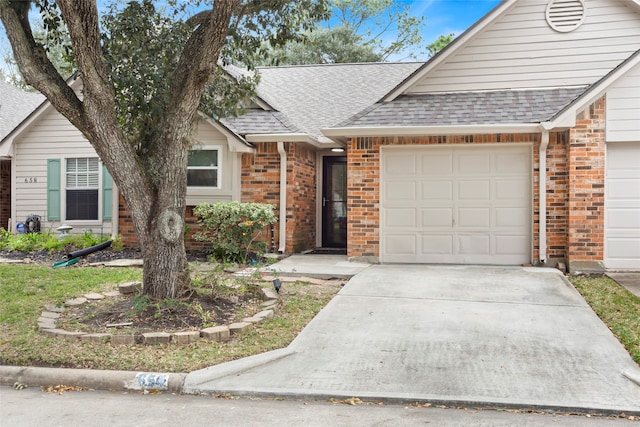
<point>542,190</point>
<point>283,198</point>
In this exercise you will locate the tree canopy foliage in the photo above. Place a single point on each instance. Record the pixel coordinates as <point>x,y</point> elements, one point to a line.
<point>360,31</point>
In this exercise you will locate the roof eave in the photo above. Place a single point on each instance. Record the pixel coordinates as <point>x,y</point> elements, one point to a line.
<point>318,142</point>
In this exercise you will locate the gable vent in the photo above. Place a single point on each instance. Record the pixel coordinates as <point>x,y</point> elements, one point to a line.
<point>565,15</point>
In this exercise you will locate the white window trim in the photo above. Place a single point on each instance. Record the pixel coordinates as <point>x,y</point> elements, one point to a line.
<point>219,149</point>
<point>63,196</point>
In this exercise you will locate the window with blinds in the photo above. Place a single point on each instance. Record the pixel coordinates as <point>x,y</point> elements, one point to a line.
<point>82,185</point>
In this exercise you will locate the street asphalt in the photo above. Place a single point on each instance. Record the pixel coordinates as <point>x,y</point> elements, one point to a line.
<point>478,336</point>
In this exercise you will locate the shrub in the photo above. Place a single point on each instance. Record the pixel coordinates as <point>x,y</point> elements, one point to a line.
<point>232,228</point>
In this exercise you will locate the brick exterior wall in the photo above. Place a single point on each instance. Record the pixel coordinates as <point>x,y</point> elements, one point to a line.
<point>5,193</point>
<point>261,180</point>
<point>301,198</point>
<point>557,196</point>
<point>261,184</point>
<point>586,160</point>
<point>127,231</point>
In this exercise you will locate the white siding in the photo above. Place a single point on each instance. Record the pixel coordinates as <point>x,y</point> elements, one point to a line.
<point>623,108</point>
<point>520,50</point>
<point>209,136</point>
<point>50,137</point>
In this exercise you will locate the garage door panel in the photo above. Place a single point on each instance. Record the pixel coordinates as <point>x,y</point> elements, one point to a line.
<point>401,218</point>
<point>437,217</point>
<point>510,244</point>
<point>474,218</point>
<point>474,189</point>
<point>400,190</point>
<point>512,189</point>
<point>512,217</point>
<point>401,244</point>
<point>400,164</point>
<point>512,163</point>
<point>472,206</point>
<point>623,219</point>
<point>436,244</point>
<point>437,190</point>
<point>622,206</point>
<point>437,164</point>
<point>474,162</point>
<point>624,189</point>
<point>474,244</point>
<point>624,248</point>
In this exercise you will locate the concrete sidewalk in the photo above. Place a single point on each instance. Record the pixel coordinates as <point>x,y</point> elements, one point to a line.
<point>318,266</point>
<point>460,335</point>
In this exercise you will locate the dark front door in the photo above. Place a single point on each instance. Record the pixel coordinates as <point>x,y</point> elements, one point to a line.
<point>334,202</point>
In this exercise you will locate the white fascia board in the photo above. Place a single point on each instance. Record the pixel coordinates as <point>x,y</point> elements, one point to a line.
<point>444,54</point>
<point>432,130</point>
<point>6,150</point>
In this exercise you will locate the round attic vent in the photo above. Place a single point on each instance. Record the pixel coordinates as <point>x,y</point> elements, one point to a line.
<point>565,15</point>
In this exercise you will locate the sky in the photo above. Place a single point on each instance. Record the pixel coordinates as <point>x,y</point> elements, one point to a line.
<point>442,17</point>
<point>449,16</point>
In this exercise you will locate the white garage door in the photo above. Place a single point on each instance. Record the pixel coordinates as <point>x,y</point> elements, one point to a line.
<point>456,204</point>
<point>622,207</point>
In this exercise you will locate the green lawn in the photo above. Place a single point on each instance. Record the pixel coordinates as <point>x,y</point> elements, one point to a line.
<point>25,289</point>
<point>616,306</point>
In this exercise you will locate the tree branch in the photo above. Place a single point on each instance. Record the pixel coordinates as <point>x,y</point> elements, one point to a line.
<point>36,68</point>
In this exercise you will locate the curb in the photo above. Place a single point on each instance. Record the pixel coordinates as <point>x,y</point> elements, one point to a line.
<point>92,379</point>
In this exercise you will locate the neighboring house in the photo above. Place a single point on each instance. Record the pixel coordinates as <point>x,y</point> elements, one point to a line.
<point>519,143</point>
<point>15,105</point>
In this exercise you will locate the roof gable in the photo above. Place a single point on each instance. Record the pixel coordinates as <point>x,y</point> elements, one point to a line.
<point>514,47</point>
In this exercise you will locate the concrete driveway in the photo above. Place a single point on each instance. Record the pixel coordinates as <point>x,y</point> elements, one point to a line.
<point>460,335</point>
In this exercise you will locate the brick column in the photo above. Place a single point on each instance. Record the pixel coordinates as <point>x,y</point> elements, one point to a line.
<point>586,189</point>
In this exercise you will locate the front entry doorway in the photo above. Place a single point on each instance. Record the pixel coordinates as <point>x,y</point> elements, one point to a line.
<point>334,202</point>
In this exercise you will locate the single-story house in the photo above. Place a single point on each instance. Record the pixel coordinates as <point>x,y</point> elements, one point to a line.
<point>519,143</point>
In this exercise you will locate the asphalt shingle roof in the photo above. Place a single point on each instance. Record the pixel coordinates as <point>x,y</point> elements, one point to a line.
<point>15,106</point>
<point>467,108</point>
<point>259,121</point>
<point>313,97</point>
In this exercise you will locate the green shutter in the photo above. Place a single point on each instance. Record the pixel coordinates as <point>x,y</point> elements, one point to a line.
<point>107,193</point>
<point>53,189</point>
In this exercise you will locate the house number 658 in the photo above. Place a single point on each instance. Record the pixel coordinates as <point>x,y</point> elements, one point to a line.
<point>31,180</point>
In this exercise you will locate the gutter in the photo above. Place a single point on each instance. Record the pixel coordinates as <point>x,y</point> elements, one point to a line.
<point>542,196</point>
<point>430,130</point>
<point>283,198</point>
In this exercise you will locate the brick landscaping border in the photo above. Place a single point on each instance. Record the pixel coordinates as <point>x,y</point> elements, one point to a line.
<point>48,317</point>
